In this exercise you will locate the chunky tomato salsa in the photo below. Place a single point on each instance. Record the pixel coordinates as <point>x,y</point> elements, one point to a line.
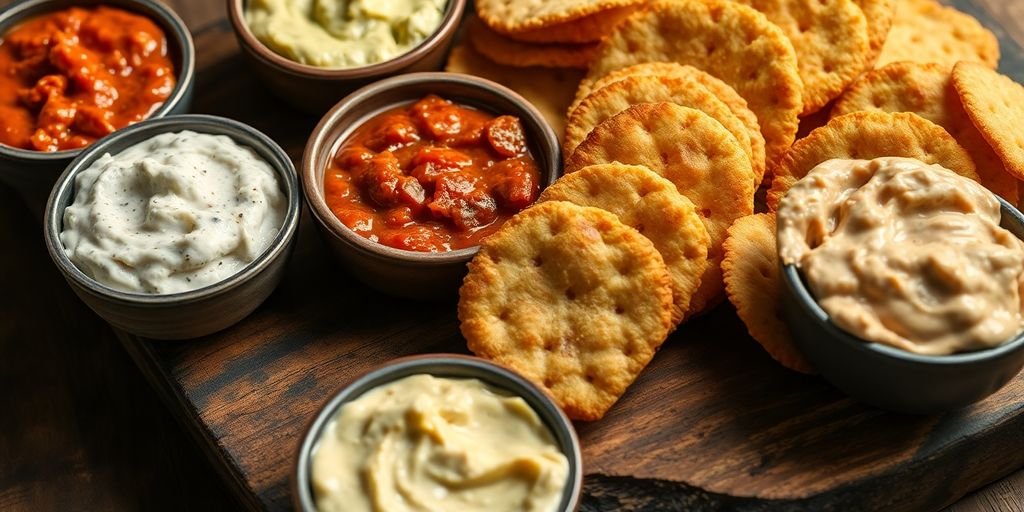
<point>433,176</point>
<point>72,76</point>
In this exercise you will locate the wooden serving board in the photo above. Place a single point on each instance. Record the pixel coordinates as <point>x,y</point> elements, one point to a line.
<point>712,424</point>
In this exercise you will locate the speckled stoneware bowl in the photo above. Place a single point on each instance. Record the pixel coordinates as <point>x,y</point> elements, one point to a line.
<point>315,89</point>
<point>452,366</point>
<point>891,378</point>
<point>197,312</point>
<point>411,274</point>
<point>33,173</point>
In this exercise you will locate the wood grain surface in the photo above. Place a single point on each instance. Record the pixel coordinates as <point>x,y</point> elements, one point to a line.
<point>713,424</point>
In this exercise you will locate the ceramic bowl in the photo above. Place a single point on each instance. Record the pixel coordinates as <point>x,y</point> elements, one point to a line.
<point>891,378</point>
<point>411,274</point>
<point>33,173</point>
<point>197,312</point>
<point>452,366</point>
<point>315,89</point>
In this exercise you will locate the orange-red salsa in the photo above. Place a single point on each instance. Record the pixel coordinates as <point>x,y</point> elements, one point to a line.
<point>433,176</point>
<point>72,76</point>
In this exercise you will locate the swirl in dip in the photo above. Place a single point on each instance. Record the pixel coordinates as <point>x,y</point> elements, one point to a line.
<point>72,76</point>
<point>174,213</point>
<point>343,33</point>
<point>906,254</point>
<point>429,443</point>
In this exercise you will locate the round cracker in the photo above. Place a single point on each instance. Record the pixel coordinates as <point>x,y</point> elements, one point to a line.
<point>733,42</point>
<point>604,103</point>
<point>570,298</point>
<point>995,105</point>
<point>550,90</point>
<point>589,29</point>
<point>868,135</point>
<point>723,91</point>
<point>831,41</point>
<point>697,154</point>
<point>510,52</point>
<point>927,90</point>
<point>754,286</point>
<point>879,14</point>
<point>650,204</point>
<point>926,31</point>
<point>510,16</point>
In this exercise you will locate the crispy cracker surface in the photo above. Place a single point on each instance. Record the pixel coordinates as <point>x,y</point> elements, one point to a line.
<point>510,52</point>
<point>588,29</point>
<point>927,31</point>
<point>995,104</point>
<point>570,298</point>
<point>879,14</point>
<point>524,15</point>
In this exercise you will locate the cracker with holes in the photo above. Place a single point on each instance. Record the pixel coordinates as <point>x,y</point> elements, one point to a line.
<point>602,104</point>
<point>515,16</point>
<point>694,152</point>
<point>572,299</point>
<point>831,42</point>
<point>868,135</point>
<point>510,52</point>
<point>733,42</point>
<point>995,104</point>
<point>927,31</point>
<point>753,284</point>
<point>723,91</point>
<point>927,90</point>
<point>650,204</point>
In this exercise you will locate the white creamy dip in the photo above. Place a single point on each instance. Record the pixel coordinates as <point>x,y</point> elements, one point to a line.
<point>174,213</point>
<point>906,254</point>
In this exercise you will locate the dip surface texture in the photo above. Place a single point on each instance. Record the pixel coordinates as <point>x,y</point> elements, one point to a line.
<point>906,254</point>
<point>343,33</point>
<point>173,213</point>
<point>72,76</point>
<point>424,443</point>
<point>432,176</point>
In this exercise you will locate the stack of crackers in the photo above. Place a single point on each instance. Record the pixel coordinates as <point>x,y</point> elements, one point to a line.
<point>686,110</point>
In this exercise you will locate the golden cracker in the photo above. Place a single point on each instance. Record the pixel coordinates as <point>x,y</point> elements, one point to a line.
<point>510,52</point>
<point>831,40</point>
<point>753,283</point>
<point>570,298</point>
<point>602,104</point>
<point>926,31</point>
<point>697,154</point>
<point>927,90</point>
<point>994,104</point>
<point>879,14</point>
<point>716,36</point>
<point>509,16</point>
<point>650,204</point>
<point>869,135</point>
<point>589,29</point>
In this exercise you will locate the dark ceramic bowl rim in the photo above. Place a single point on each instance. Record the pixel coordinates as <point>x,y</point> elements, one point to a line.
<point>319,142</point>
<point>54,213</point>
<point>179,38</point>
<point>793,279</point>
<point>454,10</point>
<point>438,365</point>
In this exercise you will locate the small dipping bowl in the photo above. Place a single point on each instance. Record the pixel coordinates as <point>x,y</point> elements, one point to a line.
<point>33,173</point>
<point>193,313</point>
<point>450,366</point>
<point>314,89</point>
<point>411,274</point>
<point>889,377</point>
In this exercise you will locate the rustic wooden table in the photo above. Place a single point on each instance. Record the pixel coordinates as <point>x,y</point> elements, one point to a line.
<point>82,430</point>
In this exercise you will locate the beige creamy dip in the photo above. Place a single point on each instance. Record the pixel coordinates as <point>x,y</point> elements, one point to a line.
<point>176,212</point>
<point>906,254</point>
<point>343,33</point>
<point>424,443</point>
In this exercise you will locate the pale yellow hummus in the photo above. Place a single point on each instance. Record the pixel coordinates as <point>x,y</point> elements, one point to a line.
<point>424,443</point>
<point>906,254</point>
<point>343,33</point>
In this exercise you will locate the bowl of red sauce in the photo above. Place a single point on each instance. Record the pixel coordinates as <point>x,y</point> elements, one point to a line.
<point>75,71</point>
<point>406,176</point>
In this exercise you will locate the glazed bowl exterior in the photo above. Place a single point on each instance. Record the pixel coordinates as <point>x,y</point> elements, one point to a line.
<point>314,89</point>
<point>197,312</point>
<point>891,378</point>
<point>411,274</point>
<point>33,173</point>
<point>451,366</point>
